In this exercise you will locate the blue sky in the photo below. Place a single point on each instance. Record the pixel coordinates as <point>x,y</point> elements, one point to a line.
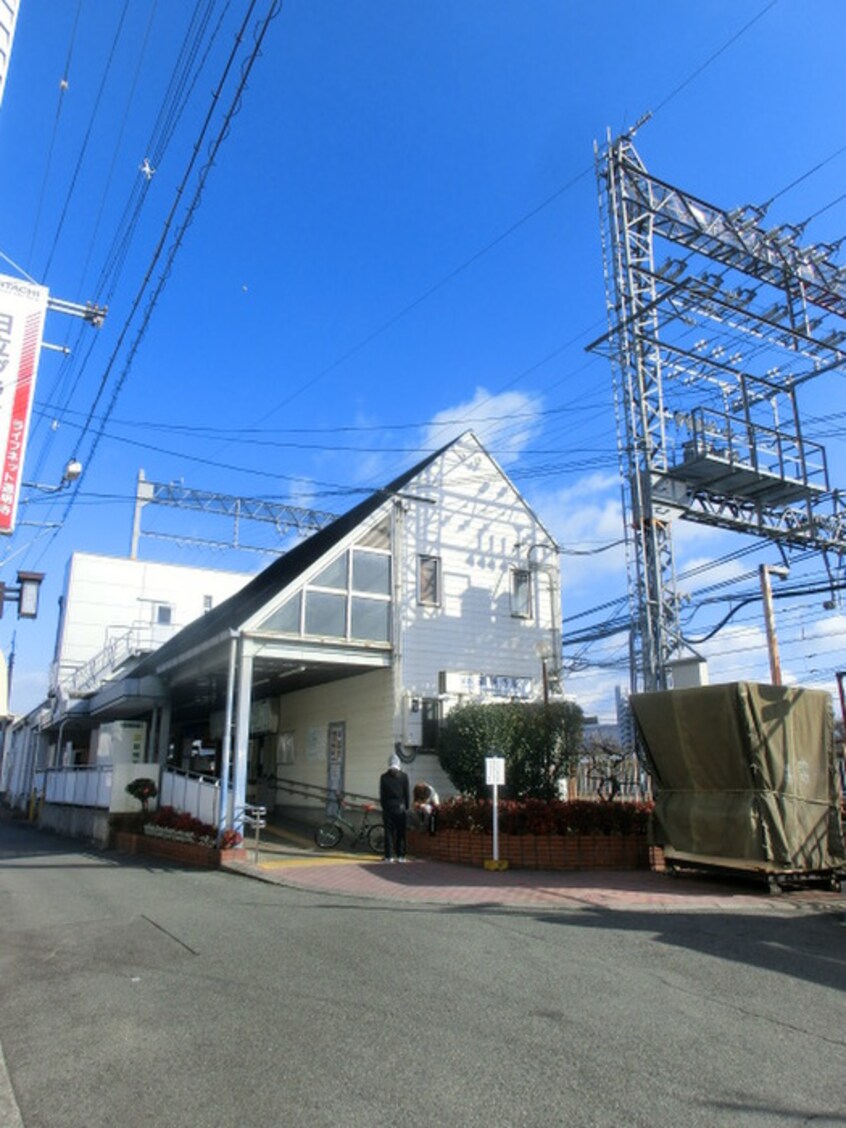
<point>398,239</point>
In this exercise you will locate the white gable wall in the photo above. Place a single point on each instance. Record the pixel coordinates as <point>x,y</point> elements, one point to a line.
<point>475,527</point>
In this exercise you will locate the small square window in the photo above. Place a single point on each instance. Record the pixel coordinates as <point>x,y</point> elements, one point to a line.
<point>164,614</point>
<point>429,580</point>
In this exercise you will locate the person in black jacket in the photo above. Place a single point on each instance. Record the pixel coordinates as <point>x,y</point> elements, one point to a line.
<point>395,799</point>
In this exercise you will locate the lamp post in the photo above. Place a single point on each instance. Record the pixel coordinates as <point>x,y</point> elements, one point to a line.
<point>25,594</point>
<point>72,471</point>
<point>764,572</point>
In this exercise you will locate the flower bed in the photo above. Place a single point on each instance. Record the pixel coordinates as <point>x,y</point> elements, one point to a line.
<point>179,837</point>
<point>575,835</point>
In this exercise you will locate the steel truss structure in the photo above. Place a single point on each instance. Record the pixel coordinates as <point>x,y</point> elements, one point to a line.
<point>175,495</point>
<point>714,323</point>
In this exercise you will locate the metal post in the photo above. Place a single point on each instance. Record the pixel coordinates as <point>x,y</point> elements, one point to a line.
<point>496,822</point>
<point>226,754</point>
<point>242,735</point>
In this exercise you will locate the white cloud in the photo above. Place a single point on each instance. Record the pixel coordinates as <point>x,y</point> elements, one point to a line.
<point>504,423</point>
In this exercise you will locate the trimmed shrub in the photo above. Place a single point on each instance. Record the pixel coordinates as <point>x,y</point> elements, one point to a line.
<point>533,816</point>
<point>538,742</point>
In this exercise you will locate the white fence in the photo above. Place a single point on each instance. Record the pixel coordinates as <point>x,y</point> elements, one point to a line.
<point>80,787</point>
<point>95,787</point>
<point>196,794</point>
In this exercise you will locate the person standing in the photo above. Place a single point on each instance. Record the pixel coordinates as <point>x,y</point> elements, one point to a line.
<point>426,804</point>
<point>395,799</point>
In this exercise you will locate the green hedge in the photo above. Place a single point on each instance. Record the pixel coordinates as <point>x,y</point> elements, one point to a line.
<point>536,816</point>
<point>539,743</point>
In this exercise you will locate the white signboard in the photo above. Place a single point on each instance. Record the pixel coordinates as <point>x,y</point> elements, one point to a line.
<point>23,306</point>
<point>495,771</point>
<point>502,686</point>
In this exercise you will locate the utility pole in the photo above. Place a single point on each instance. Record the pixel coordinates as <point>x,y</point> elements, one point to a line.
<point>764,571</point>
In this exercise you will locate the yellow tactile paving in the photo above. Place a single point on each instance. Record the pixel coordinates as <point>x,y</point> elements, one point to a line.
<point>301,863</point>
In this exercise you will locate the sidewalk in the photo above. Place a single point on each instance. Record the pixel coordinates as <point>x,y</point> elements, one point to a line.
<point>287,856</point>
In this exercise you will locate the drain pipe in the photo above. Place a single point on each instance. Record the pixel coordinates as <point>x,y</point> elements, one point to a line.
<point>226,755</point>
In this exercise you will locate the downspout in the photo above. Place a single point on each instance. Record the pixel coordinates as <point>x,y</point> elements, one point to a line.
<point>62,724</point>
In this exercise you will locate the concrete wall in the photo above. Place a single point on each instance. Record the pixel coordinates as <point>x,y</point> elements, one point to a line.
<point>365,705</point>
<point>106,596</point>
<point>88,823</point>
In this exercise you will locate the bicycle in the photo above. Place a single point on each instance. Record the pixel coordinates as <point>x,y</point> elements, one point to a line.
<point>330,833</point>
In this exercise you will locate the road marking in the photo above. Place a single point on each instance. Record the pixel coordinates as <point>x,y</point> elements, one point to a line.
<point>300,863</point>
<point>10,1113</point>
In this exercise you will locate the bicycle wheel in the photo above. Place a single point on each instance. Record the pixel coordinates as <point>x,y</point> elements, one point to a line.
<point>376,839</point>
<point>327,836</point>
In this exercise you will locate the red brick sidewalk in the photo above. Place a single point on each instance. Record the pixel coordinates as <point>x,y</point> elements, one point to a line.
<point>420,881</point>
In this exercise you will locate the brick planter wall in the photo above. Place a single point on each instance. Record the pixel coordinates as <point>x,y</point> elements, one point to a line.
<point>535,851</point>
<point>185,853</point>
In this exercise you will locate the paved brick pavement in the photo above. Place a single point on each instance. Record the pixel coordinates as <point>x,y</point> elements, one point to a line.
<point>287,857</point>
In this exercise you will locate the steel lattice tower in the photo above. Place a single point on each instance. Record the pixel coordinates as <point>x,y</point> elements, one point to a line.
<point>714,323</point>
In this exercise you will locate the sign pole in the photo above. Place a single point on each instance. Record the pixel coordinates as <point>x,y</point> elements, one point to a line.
<point>496,822</point>
<point>495,777</point>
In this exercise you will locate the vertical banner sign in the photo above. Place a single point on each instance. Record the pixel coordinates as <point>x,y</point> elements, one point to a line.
<point>336,749</point>
<point>23,306</point>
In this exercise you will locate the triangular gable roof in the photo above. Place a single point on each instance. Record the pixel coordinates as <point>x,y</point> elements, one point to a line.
<point>238,608</point>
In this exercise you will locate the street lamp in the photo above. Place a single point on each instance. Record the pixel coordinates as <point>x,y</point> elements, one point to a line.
<point>25,594</point>
<point>72,471</point>
<point>764,572</point>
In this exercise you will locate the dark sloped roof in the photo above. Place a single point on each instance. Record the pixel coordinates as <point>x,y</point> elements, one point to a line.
<point>233,612</point>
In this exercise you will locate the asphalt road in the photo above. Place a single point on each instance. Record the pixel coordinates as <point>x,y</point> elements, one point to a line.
<point>135,994</point>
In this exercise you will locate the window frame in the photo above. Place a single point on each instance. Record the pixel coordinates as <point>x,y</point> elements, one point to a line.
<point>521,594</point>
<point>424,560</point>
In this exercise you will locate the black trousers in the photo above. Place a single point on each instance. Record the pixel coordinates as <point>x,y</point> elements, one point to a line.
<point>394,833</point>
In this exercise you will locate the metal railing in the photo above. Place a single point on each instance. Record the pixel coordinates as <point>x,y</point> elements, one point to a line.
<point>140,638</point>
<point>255,818</point>
<point>80,787</point>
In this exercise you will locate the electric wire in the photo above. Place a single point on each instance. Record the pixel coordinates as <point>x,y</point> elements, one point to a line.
<point>64,85</point>
<point>86,138</point>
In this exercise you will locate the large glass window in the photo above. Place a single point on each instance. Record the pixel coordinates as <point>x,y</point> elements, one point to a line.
<point>371,572</point>
<point>370,619</point>
<point>285,618</point>
<point>350,598</point>
<point>334,575</point>
<point>326,614</point>
<point>379,536</point>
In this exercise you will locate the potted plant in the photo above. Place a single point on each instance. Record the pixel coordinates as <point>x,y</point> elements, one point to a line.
<point>143,790</point>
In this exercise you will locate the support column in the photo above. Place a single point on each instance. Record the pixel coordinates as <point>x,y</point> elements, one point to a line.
<point>151,752</point>
<point>242,733</point>
<point>224,815</point>
<point>164,733</point>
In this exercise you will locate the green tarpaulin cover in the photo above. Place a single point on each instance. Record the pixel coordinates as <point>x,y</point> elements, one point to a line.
<point>744,771</point>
